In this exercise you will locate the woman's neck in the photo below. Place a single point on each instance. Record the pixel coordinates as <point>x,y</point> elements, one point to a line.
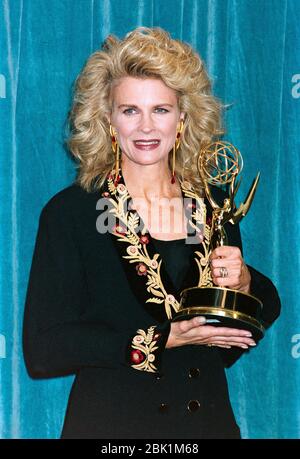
<point>149,182</point>
<point>155,199</point>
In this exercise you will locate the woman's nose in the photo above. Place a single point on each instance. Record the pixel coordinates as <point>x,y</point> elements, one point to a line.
<point>146,124</point>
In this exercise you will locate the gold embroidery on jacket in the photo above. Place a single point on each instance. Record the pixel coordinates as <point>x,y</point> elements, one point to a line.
<point>199,220</point>
<point>137,251</point>
<point>205,279</point>
<point>144,345</point>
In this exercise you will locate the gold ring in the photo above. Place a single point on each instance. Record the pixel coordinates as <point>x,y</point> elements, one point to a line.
<point>223,272</point>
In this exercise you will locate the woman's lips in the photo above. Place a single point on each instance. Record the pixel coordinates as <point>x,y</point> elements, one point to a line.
<point>150,144</point>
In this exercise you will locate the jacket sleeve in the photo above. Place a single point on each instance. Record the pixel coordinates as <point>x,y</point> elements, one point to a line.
<point>57,339</point>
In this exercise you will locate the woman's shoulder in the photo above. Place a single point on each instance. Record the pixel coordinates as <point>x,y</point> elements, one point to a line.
<point>71,200</point>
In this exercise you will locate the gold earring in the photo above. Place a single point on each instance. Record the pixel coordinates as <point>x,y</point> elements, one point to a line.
<point>175,148</point>
<point>116,150</point>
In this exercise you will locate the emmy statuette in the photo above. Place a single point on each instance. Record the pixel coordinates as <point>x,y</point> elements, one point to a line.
<point>219,164</point>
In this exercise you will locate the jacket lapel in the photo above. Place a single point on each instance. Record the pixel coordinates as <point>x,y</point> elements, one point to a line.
<point>142,263</point>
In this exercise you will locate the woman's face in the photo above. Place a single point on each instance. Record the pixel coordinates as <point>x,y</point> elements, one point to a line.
<point>145,116</point>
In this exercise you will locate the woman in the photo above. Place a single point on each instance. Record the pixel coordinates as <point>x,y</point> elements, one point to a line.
<point>111,255</point>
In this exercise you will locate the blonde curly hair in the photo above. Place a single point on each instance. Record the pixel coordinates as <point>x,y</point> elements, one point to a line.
<point>143,53</point>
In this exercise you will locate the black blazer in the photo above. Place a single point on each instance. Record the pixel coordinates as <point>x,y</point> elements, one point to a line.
<point>87,314</point>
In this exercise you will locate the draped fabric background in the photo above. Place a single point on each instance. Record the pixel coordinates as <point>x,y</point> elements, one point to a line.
<point>252,51</point>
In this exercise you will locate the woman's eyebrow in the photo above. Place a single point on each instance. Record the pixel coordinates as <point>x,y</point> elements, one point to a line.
<point>156,105</point>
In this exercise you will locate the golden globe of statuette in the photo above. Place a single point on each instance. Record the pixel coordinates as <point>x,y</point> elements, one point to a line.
<point>219,163</point>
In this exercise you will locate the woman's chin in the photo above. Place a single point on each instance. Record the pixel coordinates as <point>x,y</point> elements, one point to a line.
<point>146,161</point>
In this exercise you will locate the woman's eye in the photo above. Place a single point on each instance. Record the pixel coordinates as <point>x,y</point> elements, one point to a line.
<point>129,111</point>
<point>161,110</point>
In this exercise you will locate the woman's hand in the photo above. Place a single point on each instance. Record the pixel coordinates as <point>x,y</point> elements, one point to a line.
<point>235,274</point>
<point>194,331</point>
<point>228,270</point>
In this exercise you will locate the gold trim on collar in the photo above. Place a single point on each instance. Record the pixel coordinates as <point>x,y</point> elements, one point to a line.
<point>126,232</point>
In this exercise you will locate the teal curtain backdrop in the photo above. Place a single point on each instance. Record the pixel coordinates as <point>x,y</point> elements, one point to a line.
<point>252,51</point>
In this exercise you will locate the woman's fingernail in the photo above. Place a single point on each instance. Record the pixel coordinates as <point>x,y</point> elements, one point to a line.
<point>201,320</point>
